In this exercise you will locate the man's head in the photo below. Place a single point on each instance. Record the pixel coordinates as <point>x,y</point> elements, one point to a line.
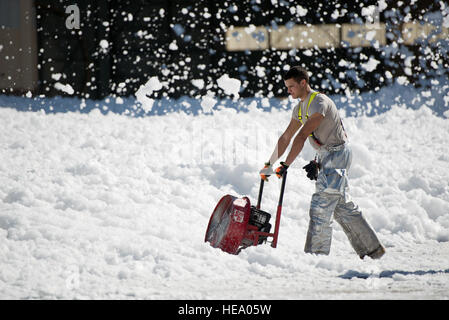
<point>297,82</point>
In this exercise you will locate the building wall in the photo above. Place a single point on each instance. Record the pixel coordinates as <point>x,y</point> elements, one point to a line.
<point>18,47</point>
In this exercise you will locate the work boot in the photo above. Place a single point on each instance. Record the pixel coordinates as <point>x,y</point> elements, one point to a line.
<point>378,253</point>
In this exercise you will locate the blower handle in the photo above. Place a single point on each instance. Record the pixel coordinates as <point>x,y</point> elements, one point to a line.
<point>259,199</point>
<point>281,196</point>
<point>278,212</point>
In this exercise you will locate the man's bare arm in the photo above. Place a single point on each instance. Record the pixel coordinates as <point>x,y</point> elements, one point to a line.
<point>284,140</point>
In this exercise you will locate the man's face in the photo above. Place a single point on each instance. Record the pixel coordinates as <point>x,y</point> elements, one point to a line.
<point>294,88</point>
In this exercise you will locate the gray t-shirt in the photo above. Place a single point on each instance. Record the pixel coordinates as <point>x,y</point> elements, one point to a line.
<point>330,132</point>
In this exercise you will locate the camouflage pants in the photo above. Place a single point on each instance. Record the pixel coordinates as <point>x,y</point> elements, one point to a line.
<point>331,200</point>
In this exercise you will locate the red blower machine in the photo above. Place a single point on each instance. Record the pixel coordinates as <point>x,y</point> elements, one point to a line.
<point>235,224</point>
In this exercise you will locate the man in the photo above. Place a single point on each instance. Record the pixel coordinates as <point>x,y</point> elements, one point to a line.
<point>318,118</point>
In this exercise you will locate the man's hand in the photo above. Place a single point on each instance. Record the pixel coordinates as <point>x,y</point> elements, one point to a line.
<point>281,170</point>
<point>266,171</point>
<point>312,170</point>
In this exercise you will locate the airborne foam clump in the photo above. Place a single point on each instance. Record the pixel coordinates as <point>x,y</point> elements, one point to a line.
<point>67,88</point>
<point>229,85</point>
<point>146,90</point>
<point>301,11</point>
<point>199,83</point>
<point>371,64</point>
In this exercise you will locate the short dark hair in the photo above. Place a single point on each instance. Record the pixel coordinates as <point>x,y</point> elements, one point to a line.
<point>298,73</point>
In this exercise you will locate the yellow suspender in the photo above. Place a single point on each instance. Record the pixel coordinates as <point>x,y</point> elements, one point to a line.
<point>312,96</point>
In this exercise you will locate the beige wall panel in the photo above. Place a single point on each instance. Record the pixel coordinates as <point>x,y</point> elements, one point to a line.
<point>284,38</point>
<point>363,35</point>
<point>246,38</point>
<point>303,36</point>
<point>411,32</point>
